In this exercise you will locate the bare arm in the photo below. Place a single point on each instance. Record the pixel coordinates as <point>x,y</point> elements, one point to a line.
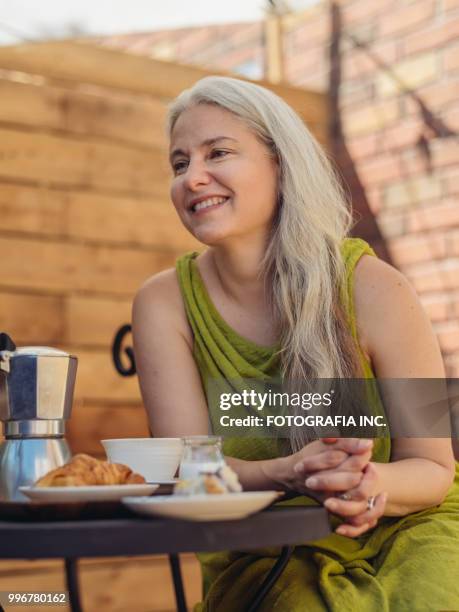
<point>168,377</point>
<point>396,333</point>
<point>280,473</point>
<point>402,344</point>
<point>413,484</point>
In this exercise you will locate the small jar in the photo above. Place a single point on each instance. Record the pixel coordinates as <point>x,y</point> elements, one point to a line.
<point>200,454</point>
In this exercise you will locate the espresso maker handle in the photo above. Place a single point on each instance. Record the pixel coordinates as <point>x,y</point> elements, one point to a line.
<point>7,346</point>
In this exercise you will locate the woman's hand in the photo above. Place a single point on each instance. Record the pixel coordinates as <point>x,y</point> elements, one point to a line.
<point>325,456</point>
<point>336,475</point>
<point>362,507</point>
<point>354,478</point>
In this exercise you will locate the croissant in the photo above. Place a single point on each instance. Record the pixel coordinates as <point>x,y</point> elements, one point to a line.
<point>83,470</point>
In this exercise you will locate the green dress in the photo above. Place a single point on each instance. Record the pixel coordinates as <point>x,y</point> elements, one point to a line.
<point>404,564</point>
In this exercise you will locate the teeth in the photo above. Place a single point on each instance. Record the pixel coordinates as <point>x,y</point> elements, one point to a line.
<point>207,203</point>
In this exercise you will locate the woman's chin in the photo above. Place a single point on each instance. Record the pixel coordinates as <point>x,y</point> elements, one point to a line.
<point>210,237</point>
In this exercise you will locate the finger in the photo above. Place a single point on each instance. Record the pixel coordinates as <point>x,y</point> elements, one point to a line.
<point>353,445</point>
<point>371,515</point>
<point>354,527</point>
<point>346,508</point>
<point>322,461</point>
<point>351,531</point>
<point>356,462</point>
<point>367,485</point>
<point>334,480</point>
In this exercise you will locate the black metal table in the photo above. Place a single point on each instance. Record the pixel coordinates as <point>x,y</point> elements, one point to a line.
<point>277,526</point>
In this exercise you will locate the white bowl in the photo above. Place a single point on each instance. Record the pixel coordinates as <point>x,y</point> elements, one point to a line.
<point>156,459</point>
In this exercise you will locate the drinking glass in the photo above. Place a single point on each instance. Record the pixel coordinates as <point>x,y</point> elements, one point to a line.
<point>200,454</point>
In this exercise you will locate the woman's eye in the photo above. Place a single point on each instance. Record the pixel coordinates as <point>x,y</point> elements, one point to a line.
<point>181,165</point>
<point>178,166</point>
<point>217,152</point>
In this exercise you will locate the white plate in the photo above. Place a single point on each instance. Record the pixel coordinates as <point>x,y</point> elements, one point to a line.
<point>86,494</point>
<point>223,507</point>
<point>172,481</point>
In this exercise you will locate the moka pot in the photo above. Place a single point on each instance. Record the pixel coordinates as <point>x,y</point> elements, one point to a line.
<point>36,394</point>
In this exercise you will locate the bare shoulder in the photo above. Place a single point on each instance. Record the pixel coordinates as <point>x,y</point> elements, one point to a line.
<point>163,285</point>
<point>160,298</point>
<point>382,290</point>
<point>394,330</point>
<point>373,278</point>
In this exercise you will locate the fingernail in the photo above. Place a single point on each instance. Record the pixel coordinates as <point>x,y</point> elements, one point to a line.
<point>330,503</point>
<point>298,467</point>
<point>312,482</point>
<point>364,444</point>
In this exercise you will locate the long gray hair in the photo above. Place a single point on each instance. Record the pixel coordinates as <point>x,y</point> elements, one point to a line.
<point>303,264</point>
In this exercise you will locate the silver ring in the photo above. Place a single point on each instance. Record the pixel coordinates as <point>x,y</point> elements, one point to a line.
<point>345,496</point>
<point>371,502</point>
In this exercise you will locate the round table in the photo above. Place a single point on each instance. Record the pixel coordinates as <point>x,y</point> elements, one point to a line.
<point>278,526</point>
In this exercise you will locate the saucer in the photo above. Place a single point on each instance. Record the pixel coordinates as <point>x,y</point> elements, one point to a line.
<point>202,507</point>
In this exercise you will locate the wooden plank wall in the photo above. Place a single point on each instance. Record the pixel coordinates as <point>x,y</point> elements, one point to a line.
<point>113,584</point>
<point>85,218</point>
<point>85,215</point>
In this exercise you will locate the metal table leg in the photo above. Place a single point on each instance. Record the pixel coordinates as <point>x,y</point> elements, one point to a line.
<point>71,575</point>
<point>174,561</point>
<point>271,578</point>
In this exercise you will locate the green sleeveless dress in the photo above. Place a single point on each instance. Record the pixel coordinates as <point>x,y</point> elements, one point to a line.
<point>404,564</point>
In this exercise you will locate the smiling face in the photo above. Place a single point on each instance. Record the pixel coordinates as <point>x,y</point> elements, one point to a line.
<point>225,179</point>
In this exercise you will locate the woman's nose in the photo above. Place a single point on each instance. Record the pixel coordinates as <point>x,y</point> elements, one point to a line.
<point>196,174</point>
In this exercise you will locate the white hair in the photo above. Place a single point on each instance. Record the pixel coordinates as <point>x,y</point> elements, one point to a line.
<point>303,263</point>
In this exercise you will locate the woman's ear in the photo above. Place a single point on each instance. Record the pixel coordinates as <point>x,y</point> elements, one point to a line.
<point>280,195</point>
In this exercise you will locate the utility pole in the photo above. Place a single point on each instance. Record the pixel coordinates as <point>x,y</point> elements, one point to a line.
<point>274,52</point>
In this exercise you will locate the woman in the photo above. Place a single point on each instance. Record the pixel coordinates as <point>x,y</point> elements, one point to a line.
<point>280,290</point>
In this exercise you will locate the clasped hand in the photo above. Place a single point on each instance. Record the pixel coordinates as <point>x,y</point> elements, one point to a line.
<point>332,467</point>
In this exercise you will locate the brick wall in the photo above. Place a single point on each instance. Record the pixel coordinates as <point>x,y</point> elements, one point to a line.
<point>396,86</point>
<point>236,47</point>
<point>398,103</point>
